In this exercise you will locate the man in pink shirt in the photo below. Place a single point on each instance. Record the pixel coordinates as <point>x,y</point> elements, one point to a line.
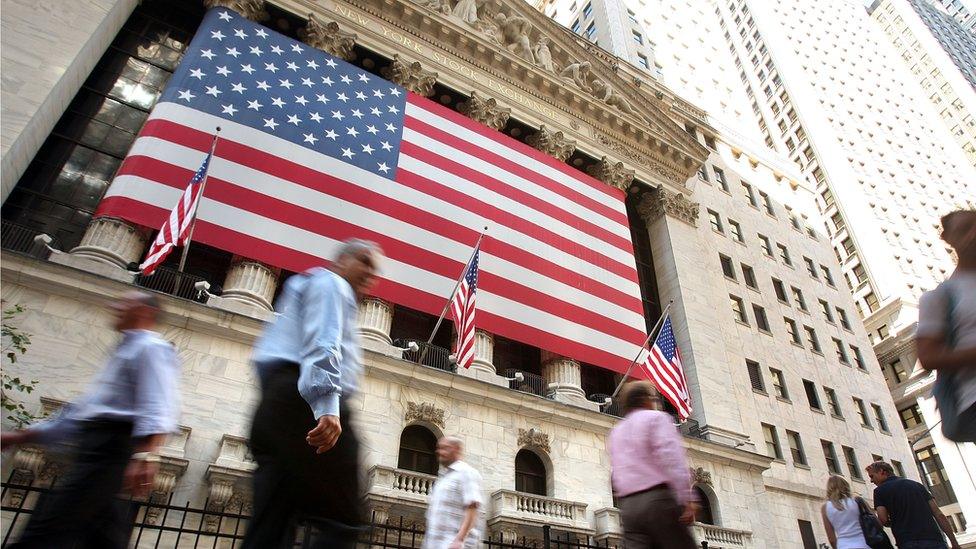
<point>650,473</point>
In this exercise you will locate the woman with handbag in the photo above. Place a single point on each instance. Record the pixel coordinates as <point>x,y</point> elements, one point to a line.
<point>848,520</point>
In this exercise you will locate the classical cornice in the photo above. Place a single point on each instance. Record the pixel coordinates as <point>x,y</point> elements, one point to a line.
<point>660,202</point>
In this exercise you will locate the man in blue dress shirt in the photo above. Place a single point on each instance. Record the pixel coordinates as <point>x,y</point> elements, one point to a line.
<point>115,431</point>
<point>309,361</point>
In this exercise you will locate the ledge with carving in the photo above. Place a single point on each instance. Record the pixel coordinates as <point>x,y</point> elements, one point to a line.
<point>407,492</point>
<point>661,201</point>
<point>229,477</point>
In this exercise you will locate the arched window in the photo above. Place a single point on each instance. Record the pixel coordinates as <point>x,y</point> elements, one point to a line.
<point>530,473</point>
<point>418,450</point>
<point>704,512</point>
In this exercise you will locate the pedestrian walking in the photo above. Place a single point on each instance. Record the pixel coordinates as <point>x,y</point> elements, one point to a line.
<point>114,432</point>
<point>842,516</point>
<point>455,507</point>
<point>909,509</point>
<point>309,362</point>
<point>649,473</point>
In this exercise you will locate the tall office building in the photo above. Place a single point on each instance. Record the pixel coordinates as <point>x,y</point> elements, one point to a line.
<point>941,54</point>
<point>963,11</point>
<point>825,88</point>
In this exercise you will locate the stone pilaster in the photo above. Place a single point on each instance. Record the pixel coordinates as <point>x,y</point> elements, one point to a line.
<point>251,282</point>
<point>328,37</point>
<point>252,9</point>
<point>411,76</point>
<point>555,144</point>
<point>485,110</point>
<point>376,319</point>
<point>612,173</point>
<point>661,202</point>
<point>563,378</point>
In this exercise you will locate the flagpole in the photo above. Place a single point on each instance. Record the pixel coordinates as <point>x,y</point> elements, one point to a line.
<point>664,315</point>
<point>450,299</point>
<point>203,187</point>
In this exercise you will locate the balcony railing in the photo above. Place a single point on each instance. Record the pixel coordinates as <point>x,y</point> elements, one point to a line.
<point>612,409</point>
<point>175,283</point>
<point>435,357</point>
<point>523,507</point>
<point>531,383</point>
<point>721,538</point>
<point>19,238</point>
<point>399,484</point>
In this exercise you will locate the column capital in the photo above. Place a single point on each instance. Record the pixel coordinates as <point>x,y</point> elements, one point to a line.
<point>612,173</point>
<point>485,110</point>
<point>251,9</point>
<point>328,37</point>
<point>553,143</point>
<point>661,201</point>
<point>251,282</point>
<point>411,76</point>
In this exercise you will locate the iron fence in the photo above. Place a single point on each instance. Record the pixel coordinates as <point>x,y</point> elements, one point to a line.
<point>435,357</point>
<point>530,383</point>
<point>20,238</point>
<point>170,281</point>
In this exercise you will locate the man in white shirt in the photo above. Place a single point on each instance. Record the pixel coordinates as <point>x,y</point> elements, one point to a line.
<point>453,515</point>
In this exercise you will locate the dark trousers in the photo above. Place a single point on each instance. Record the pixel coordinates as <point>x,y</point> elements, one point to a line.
<point>292,483</point>
<point>650,521</point>
<point>82,509</point>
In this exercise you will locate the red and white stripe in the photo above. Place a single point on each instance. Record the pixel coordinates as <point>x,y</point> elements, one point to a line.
<point>557,269</point>
<point>669,377</point>
<point>175,229</point>
<point>463,309</point>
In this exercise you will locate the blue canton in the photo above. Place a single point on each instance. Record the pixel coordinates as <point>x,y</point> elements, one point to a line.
<point>472,277</point>
<point>665,340</point>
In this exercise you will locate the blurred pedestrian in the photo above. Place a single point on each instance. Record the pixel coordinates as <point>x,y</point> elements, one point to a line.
<point>909,509</point>
<point>453,513</point>
<point>946,333</point>
<point>649,472</point>
<point>309,362</point>
<point>842,516</point>
<point>114,432</point>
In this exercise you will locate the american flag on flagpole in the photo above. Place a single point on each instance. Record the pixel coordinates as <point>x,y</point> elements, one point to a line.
<point>176,228</point>
<point>463,309</point>
<point>663,363</point>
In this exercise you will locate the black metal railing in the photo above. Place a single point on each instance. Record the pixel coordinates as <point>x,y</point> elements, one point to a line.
<point>612,409</point>
<point>20,238</point>
<point>170,281</point>
<point>435,357</point>
<point>530,383</point>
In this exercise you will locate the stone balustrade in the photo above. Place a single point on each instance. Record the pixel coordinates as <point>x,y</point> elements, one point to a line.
<point>391,485</point>
<point>721,538</point>
<point>509,505</point>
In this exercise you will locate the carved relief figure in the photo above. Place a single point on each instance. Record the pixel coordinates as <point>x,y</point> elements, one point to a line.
<point>543,56</point>
<point>515,31</point>
<point>578,73</point>
<point>467,11</point>
<point>603,92</point>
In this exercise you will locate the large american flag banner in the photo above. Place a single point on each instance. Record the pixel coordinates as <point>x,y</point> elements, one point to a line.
<point>314,150</point>
<point>663,364</point>
<point>463,308</point>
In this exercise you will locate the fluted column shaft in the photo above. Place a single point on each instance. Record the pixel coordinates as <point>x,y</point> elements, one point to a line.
<point>112,241</point>
<point>375,319</point>
<point>251,282</point>
<point>562,375</point>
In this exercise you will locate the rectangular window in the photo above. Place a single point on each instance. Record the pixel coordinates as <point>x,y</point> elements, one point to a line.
<point>779,383</point>
<point>825,309</point>
<point>812,339</point>
<point>798,297</point>
<point>830,456</point>
<point>591,30</point>
<point>784,254</point>
<point>851,458</point>
<point>755,376</point>
<point>938,482</point>
<point>761,321</point>
<point>898,370</point>
<point>728,268</point>
<point>862,412</point>
<point>844,321</point>
<point>832,402</point>
<point>765,245</point>
<point>841,351</point>
<point>780,290</point>
<point>795,221</point>
<point>738,309</point>
<point>749,276</point>
<point>736,230</point>
<point>715,221</point>
<point>811,268</point>
<point>720,177</point>
<point>638,37</point>
<point>827,276</point>
<point>772,441</point>
<point>858,358</point>
<point>879,417</point>
<point>767,205</point>
<point>911,416</point>
<point>872,302</point>
<point>750,194</point>
<point>632,16</point>
<point>792,330</point>
<point>642,61</point>
<point>576,27</point>
<point>899,470</point>
<point>812,397</point>
<point>588,9</point>
<point>796,448</point>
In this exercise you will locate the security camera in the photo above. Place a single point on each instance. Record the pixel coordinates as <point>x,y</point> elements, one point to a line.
<point>203,286</point>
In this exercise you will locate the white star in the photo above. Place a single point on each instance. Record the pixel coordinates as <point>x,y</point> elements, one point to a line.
<point>367,149</point>
<point>342,97</point>
<point>332,64</point>
<point>285,84</point>
<point>361,96</point>
<point>217,35</point>
<point>212,90</point>
<point>291,66</point>
<point>270,67</point>
<point>197,73</point>
<point>376,111</point>
<point>186,94</point>
<point>391,127</point>
<point>386,146</point>
<point>316,117</point>
<point>277,102</point>
<point>331,134</point>
<point>261,33</point>
<point>393,109</point>
<point>270,123</point>
<point>276,49</point>
<point>229,109</point>
<point>321,98</point>
<point>209,54</point>
<point>296,48</point>
<point>345,79</point>
<point>351,130</point>
<point>395,92</point>
<point>233,52</point>
<point>301,100</point>
<point>348,153</point>
<point>383,167</point>
<point>357,113</point>
<point>256,51</point>
<point>247,68</point>
<point>254,105</point>
<point>309,138</point>
<point>372,129</point>
<point>363,77</point>
<point>240,33</point>
<point>307,82</point>
<point>379,93</point>
<point>312,64</point>
<point>238,87</point>
<point>327,81</point>
<point>293,119</point>
<point>337,115</point>
<point>224,16</point>
<point>223,71</point>
<point>263,85</point>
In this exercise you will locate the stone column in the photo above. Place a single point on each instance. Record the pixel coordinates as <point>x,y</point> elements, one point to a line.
<point>484,351</point>
<point>485,110</point>
<point>328,37</point>
<point>108,247</point>
<point>411,76</point>
<point>251,282</point>
<point>612,173</point>
<point>563,380</point>
<point>251,9</point>
<point>555,144</point>
<point>376,319</point>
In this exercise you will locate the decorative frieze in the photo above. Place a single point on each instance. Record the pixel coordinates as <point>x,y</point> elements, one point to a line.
<point>251,282</point>
<point>425,412</point>
<point>612,173</point>
<point>376,319</point>
<point>411,76</point>
<point>328,37</point>
<point>533,438</point>
<point>553,143</point>
<point>251,9</point>
<point>661,201</point>
<point>112,241</point>
<point>485,110</point>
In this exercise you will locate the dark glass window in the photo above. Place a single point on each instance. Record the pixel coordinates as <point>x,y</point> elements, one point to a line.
<point>703,513</point>
<point>418,450</point>
<point>530,473</point>
<point>930,465</point>
<point>755,376</point>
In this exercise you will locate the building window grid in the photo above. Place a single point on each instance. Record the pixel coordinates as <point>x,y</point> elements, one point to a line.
<point>833,403</point>
<point>862,412</point>
<point>830,457</point>
<point>880,418</point>
<point>773,448</point>
<point>851,458</point>
<point>796,448</point>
